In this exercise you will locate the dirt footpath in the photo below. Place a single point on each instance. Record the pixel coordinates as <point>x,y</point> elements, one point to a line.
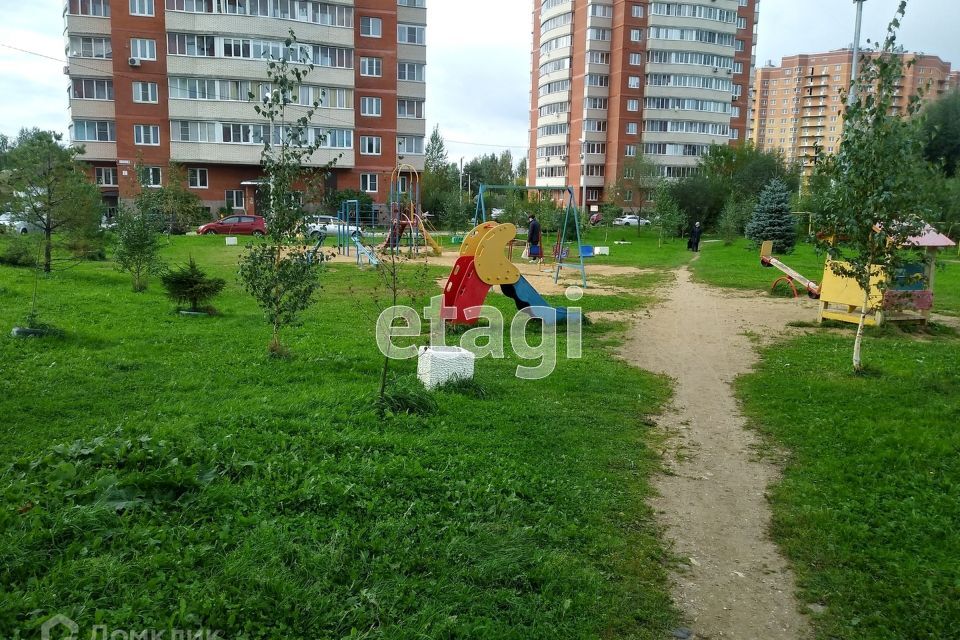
<point>712,499</point>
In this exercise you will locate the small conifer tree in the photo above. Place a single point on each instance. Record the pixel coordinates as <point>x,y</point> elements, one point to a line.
<point>772,219</point>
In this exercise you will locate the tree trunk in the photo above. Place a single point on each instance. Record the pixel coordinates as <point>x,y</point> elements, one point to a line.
<point>858,342</point>
<point>47,249</point>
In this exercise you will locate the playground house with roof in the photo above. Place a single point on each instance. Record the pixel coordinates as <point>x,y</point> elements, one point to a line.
<point>904,296</point>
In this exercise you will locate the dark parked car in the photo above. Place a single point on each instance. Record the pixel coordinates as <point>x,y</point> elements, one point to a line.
<point>238,225</point>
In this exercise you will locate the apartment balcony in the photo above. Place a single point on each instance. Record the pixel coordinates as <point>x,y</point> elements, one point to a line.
<point>89,68</point>
<point>97,151</point>
<point>87,25</point>
<point>249,154</point>
<point>93,109</point>
<point>255,26</point>
<point>412,15</point>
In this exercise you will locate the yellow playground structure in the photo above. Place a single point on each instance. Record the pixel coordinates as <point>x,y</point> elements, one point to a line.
<point>904,296</point>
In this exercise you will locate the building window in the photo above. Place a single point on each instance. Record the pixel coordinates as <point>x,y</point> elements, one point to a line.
<point>141,7</point>
<point>593,195</point>
<point>94,131</point>
<point>234,198</point>
<point>411,71</point>
<point>410,108</point>
<point>632,128</point>
<point>372,67</point>
<point>411,34</point>
<point>90,89</point>
<point>739,45</point>
<point>371,27</point>
<point>152,176</point>
<point>146,134</point>
<point>106,176</point>
<point>198,178</point>
<point>371,107</point>
<point>145,92</point>
<point>370,145</point>
<point>636,35</point>
<point>87,47</point>
<point>143,49</point>
<point>633,105</point>
<point>631,150</point>
<point>636,10</point>
<point>410,144</point>
<point>188,44</point>
<point>738,67</point>
<point>368,182</point>
<point>633,82</point>
<point>99,8</point>
<point>741,22</point>
<point>636,59</point>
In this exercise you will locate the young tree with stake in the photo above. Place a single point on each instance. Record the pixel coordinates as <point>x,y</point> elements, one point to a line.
<point>278,273</point>
<point>875,200</point>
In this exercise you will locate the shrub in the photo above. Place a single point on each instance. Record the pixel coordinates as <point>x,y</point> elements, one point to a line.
<point>89,245</point>
<point>17,252</point>
<point>190,285</point>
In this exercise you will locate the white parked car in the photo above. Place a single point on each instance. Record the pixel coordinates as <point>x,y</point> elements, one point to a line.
<point>328,225</point>
<point>630,220</point>
<point>9,224</point>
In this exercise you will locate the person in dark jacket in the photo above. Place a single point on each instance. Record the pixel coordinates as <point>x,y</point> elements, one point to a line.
<point>695,233</point>
<point>534,251</point>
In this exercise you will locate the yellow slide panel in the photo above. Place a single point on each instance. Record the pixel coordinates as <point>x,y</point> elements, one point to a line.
<point>472,242</point>
<point>491,261</point>
<point>434,247</point>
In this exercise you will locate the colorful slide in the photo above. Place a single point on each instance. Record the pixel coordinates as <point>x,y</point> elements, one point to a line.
<point>482,264</point>
<point>434,247</point>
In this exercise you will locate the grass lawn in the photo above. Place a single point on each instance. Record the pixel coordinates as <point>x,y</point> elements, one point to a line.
<point>869,505</point>
<point>161,472</point>
<point>738,266</point>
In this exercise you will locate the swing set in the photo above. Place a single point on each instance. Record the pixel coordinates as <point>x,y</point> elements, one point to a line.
<point>561,253</point>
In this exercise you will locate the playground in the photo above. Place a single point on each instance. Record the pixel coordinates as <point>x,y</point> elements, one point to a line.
<point>505,506</point>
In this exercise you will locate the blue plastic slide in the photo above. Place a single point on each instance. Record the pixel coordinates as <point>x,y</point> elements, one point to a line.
<point>531,302</point>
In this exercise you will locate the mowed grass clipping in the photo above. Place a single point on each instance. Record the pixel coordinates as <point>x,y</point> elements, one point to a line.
<point>161,472</point>
<point>869,506</point>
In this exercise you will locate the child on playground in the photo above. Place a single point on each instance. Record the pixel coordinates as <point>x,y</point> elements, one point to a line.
<point>535,252</point>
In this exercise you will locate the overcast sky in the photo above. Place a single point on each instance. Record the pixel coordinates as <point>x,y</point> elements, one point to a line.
<point>478,76</point>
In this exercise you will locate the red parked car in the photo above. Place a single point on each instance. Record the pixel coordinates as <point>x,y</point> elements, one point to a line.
<point>237,225</point>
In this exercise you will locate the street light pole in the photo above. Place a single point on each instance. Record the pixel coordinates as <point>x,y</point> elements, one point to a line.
<point>852,95</point>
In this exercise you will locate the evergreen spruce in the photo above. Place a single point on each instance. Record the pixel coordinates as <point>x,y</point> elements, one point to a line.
<point>772,219</point>
<point>190,285</point>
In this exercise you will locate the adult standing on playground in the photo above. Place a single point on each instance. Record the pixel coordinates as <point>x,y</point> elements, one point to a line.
<point>535,251</point>
<point>695,233</point>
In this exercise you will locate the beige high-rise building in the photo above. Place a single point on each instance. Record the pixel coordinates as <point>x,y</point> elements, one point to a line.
<point>797,107</point>
<point>613,80</point>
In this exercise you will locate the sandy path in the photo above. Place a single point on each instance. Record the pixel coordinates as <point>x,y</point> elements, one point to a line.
<point>712,500</point>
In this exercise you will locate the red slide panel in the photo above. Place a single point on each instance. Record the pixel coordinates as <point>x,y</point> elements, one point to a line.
<point>464,289</point>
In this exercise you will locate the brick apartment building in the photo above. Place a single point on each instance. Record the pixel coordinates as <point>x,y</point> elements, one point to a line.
<point>155,81</point>
<point>798,106</point>
<point>614,79</point>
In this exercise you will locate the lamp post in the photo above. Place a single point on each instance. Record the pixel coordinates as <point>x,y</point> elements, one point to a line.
<point>583,174</point>
<point>852,95</point>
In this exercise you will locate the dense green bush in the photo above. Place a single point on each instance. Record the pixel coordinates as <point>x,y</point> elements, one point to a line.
<point>17,252</point>
<point>190,285</point>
